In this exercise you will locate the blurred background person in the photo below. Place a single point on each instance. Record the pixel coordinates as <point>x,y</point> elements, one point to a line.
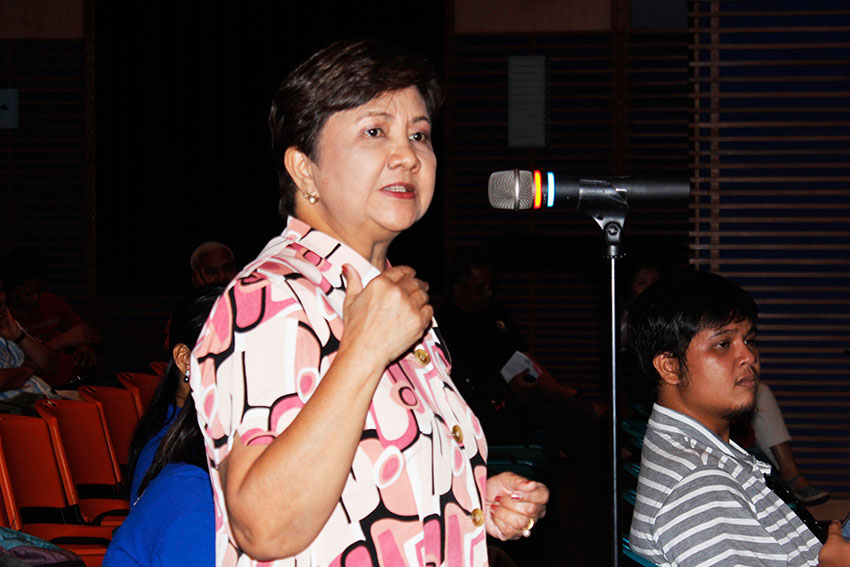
<point>483,340</point>
<point>173,389</point>
<point>212,262</point>
<point>49,318</point>
<point>22,359</point>
<point>172,518</point>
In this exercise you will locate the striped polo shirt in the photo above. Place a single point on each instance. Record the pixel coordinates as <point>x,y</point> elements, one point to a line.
<point>703,501</point>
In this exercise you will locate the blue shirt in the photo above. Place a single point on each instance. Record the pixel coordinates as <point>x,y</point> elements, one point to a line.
<point>147,453</point>
<point>172,524</point>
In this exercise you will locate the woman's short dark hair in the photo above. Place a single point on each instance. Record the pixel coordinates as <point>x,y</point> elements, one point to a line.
<point>344,75</point>
<point>669,313</point>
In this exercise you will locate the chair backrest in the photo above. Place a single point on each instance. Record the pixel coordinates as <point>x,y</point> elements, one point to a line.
<point>81,427</point>
<point>142,385</point>
<point>38,469</point>
<point>158,367</point>
<point>121,415</point>
<point>10,517</point>
<point>627,550</point>
<point>88,542</point>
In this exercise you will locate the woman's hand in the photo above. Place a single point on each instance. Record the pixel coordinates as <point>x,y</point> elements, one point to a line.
<point>386,317</point>
<point>514,504</point>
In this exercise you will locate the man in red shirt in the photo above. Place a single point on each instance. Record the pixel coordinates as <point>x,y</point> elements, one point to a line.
<point>49,318</point>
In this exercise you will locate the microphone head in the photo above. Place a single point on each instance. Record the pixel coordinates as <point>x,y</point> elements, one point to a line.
<point>511,189</point>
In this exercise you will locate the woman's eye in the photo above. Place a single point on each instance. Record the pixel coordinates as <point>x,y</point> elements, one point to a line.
<point>373,132</point>
<point>419,137</point>
<point>722,344</point>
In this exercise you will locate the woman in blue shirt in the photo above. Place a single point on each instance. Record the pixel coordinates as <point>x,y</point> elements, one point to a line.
<point>172,520</point>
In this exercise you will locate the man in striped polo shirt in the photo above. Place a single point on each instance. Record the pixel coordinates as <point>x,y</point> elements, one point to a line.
<point>701,499</point>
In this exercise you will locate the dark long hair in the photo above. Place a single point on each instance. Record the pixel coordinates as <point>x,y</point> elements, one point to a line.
<point>183,443</point>
<point>186,322</point>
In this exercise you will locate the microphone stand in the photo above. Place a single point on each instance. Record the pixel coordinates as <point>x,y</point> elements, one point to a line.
<point>608,208</point>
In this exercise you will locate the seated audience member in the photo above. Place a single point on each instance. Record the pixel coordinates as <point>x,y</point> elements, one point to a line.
<point>172,520</point>
<point>22,358</point>
<point>482,338</point>
<point>173,390</point>
<point>48,318</point>
<point>764,427</point>
<point>212,262</point>
<point>702,499</point>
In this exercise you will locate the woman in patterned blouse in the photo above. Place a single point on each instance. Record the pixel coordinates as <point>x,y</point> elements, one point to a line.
<point>354,448</point>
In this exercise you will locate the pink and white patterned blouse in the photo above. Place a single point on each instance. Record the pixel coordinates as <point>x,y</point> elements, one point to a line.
<point>415,492</point>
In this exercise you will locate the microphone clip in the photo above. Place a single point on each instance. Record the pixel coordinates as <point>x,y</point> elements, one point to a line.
<point>608,208</point>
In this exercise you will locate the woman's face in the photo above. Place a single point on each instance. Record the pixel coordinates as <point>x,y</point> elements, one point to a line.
<point>374,171</point>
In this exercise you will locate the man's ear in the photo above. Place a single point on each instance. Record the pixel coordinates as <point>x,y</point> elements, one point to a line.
<point>297,164</point>
<point>668,368</point>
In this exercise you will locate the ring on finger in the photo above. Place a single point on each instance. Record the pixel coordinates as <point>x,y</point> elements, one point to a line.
<point>527,531</point>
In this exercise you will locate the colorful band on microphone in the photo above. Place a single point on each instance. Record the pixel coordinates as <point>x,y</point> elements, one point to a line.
<point>538,190</point>
<point>550,189</point>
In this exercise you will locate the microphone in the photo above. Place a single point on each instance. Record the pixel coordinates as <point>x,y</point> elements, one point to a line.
<point>518,189</point>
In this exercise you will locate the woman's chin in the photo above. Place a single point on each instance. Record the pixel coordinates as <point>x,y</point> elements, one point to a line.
<point>397,224</point>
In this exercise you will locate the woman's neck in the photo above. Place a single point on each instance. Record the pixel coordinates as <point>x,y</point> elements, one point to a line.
<point>374,251</point>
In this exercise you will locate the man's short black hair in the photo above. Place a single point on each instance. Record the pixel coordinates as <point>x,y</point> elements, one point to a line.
<point>669,313</point>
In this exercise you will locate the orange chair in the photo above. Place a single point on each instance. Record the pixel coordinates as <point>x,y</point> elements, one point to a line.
<point>85,436</point>
<point>42,476</point>
<point>158,367</point>
<point>121,415</point>
<point>141,385</point>
<point>89,542</point>
<point>81,429</point>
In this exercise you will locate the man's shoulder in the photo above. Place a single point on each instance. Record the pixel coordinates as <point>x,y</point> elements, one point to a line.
<point>676,469</point>
<point>52,303</point>
<point>670,461</point>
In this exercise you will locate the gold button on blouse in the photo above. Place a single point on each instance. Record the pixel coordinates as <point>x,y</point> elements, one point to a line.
<point>457,433</point>
<point>477,517</point>
<point>422,355</point>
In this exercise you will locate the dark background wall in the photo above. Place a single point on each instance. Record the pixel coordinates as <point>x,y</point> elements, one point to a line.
<point>183,95</point>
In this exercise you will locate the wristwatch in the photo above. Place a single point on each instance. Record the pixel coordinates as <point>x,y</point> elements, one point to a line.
<point>20,338</point>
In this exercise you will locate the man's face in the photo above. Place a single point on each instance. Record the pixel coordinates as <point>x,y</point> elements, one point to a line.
<point>26,295</point>
<point>474,293</point>
<point>216,266</point>
<point>642,279</point>
<point>722,374</point>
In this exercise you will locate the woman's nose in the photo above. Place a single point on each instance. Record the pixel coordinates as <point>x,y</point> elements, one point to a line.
<point>403,155</point>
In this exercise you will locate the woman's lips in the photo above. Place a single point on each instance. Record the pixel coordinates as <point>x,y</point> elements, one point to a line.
<point>400,191</point>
